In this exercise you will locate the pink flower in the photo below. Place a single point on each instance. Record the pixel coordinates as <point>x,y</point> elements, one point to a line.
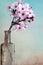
<point>9,8</point>
<point>22,11</point>
<point>25,26</point>
<point>15,4</point>
<point>21,26</point>
<point>21,15</point>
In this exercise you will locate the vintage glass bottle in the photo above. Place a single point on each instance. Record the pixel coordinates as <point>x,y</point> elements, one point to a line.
<point>7,50</point>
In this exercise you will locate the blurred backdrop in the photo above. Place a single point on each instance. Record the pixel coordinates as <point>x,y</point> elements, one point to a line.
<point>29,42</point>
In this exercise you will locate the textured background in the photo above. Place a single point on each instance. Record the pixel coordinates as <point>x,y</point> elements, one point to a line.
<point>28,43</point>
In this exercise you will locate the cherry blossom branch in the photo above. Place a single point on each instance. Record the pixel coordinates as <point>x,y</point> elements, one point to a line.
<point>17,22</point>
<point>22,12</point>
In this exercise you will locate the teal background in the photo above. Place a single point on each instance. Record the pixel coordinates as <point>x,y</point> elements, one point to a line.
<point>29,42</point>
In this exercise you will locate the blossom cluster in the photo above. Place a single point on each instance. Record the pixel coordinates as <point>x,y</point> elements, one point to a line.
<point>23,12</point>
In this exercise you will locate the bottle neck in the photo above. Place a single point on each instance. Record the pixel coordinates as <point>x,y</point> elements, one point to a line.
<point>7,38</point>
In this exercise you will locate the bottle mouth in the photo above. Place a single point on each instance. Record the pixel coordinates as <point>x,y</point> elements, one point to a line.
<point>7,38</point>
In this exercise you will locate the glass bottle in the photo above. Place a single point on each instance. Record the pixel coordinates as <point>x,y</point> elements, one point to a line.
<point>7,50</point>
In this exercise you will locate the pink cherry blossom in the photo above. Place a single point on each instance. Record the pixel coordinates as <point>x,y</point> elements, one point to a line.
<point>18,28</point>
<point>9,8</point>
<point>22,11</point>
